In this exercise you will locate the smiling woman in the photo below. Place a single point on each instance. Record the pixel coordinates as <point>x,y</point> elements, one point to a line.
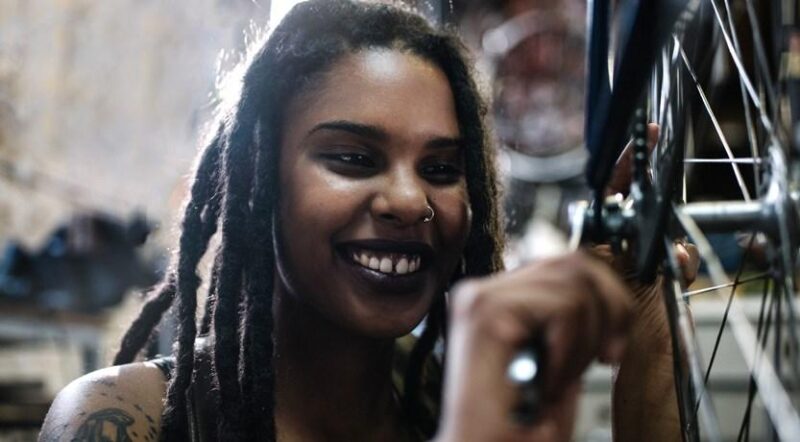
<point>355,196</point>
<point>353,185</point>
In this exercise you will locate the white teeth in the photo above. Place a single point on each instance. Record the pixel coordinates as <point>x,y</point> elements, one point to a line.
<point>374,264</point>
<point>386,265</point>
<point>393,263</point>
<point>402,266</point>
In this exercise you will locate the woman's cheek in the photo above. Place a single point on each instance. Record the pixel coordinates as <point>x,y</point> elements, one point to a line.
<point>456,216</point>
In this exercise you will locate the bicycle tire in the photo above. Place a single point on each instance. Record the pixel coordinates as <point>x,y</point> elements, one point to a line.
<point>681,68</point>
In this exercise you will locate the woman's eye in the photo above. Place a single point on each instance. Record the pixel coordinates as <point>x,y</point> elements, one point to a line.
<point>349,163</point>
<point>444,173</point>
<point>354,159</point>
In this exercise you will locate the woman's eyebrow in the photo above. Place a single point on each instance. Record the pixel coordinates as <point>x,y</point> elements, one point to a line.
<point>378,134</point>
<point>444,142</point>
<point>363,130</point>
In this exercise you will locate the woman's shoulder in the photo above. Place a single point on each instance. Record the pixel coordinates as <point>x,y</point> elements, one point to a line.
<point>116,403</point>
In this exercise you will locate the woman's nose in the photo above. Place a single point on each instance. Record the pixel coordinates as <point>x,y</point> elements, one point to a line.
<point>402,201</point>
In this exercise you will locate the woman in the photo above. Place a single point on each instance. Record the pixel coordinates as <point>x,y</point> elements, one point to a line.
<point>353,185</point>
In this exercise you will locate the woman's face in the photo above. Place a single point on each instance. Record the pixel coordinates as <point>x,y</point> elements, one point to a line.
<point>363,156</point>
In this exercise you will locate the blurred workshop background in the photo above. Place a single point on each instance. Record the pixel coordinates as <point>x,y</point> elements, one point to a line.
<point>102,107</point>
<point>101,104</point>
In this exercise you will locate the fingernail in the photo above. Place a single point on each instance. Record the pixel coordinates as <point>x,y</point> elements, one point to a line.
<point>682,254</point>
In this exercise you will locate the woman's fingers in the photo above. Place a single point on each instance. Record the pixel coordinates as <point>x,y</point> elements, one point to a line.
<point>591,324</point>
<point>573,288</point>
<point>576,304</point>
<point>689,261</point>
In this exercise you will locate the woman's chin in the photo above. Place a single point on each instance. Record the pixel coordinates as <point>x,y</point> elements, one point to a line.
<point>381,327</point>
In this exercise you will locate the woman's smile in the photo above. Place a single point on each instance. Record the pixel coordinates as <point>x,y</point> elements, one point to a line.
<point>388,266</point>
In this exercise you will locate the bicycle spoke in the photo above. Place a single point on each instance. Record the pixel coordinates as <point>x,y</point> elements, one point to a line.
<point>668,64</point>
<point>776,355</point>
<point>685,183</point>
<point>761,56</point>
<point>748,118</point>
<point>744,429</point>
<point>745,78</point>
<point>717,127</point>
<point>776,400</point>
<point>662,91</point>
<point>788,286</point>
<point>723,160</point>
<point>757,277</point>
<point>733,286</point>
<point>791,318</point>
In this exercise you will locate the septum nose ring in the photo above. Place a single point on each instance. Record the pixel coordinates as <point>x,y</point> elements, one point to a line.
<point>429,218</point>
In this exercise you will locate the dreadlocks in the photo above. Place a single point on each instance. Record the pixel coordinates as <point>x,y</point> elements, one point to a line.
<point>235,189</point>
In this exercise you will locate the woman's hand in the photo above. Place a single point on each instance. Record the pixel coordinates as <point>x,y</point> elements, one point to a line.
<point>644,401</point>
<point>582,310</point>
<point>577,306</point>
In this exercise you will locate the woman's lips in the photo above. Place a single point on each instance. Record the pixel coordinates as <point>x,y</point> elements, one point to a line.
<point>387,266</point>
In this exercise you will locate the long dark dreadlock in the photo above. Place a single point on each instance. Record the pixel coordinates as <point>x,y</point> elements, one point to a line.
<point>235,189</point>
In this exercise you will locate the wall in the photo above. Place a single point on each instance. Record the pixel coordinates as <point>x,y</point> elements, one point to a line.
<point>101,103</point>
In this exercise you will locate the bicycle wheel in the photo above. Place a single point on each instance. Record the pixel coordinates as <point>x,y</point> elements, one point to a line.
<point>721,101</point>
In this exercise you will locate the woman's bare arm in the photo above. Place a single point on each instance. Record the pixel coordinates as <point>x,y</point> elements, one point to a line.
<point>644,404</point>
<point>117,403</point>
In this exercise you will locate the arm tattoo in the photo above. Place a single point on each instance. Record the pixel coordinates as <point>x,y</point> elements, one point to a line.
<point>107,425</point>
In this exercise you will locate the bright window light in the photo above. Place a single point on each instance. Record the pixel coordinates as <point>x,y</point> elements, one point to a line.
<point>279,9</point>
